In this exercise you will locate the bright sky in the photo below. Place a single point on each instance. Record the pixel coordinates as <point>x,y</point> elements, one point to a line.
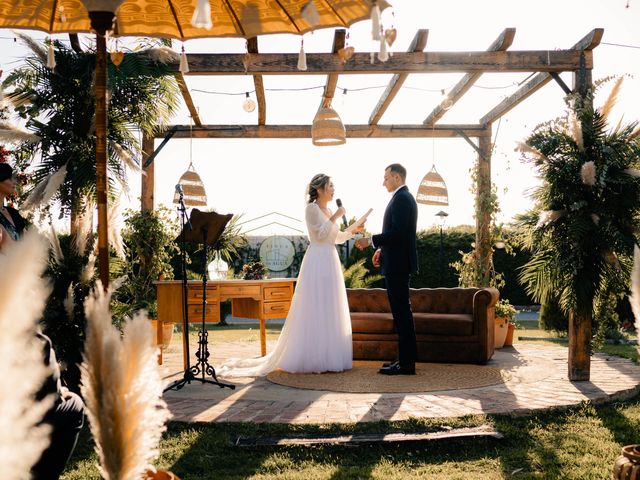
<point>259,176</point>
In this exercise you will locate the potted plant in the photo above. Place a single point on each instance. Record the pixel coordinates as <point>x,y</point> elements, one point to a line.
<point>504,313</point>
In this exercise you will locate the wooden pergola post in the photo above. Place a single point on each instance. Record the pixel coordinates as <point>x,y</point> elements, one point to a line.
<point>580,320</point>
<point>483,212</point>
<point>147,177</point>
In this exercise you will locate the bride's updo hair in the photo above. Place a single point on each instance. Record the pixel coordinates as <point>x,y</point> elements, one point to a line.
<point>318,182</point>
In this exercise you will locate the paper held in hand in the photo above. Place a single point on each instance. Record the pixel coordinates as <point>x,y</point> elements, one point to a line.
<point>359,222</point>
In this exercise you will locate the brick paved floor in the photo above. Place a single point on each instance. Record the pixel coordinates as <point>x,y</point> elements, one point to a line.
<point>537,380</point>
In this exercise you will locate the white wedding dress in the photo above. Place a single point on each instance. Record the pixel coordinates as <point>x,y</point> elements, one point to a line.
<point>316,336</point>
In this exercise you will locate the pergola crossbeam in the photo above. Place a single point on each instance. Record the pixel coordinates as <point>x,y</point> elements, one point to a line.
<point>332,79</point>
<point>583,47</point>
<point>417,45</point>
<point>252,47</point>
<point>188,100</point>
<point>360,63</point>
<point>502,43</point>
<point>304,131</point>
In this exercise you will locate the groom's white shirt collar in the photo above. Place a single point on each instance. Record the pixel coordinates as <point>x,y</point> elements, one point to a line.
<point>396,190</point>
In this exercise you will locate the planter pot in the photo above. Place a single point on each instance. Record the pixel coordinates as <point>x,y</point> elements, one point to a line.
<point>167,332</point>
<point>500,332</point>
<point>627,465</point>
<point>511,328</point>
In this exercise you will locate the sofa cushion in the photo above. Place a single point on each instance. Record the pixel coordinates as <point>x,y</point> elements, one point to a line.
<point>373,300</point>
<point>372,322</point>
<point>443,323</point>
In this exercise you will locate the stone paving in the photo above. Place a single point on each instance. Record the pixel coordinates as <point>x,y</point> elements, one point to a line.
<point>536,378</point>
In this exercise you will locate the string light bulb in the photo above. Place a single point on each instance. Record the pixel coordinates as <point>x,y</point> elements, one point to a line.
<point>248,105</point>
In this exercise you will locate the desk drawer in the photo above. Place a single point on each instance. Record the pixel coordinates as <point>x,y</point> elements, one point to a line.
<point>277,293</point>
<point>212,314</point>
<point>240,290</point>
<point>195,294</point>
<point>275,309</point>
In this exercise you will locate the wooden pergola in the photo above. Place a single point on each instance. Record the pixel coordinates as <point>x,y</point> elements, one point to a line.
<point>545,65</point>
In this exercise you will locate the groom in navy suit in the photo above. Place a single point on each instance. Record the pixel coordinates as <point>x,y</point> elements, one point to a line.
<point>397,256</point>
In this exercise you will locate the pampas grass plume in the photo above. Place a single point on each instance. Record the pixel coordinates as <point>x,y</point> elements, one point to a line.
<point>122,387</point>
<point>45,190</point>
<point>162,54</point>
<point>611,99</point>
<point>23,294</point>
<point>588,173</point>
<point>82,226</point>
<point>524,148</point>
<point>12,133</point>
<point>575,130</point>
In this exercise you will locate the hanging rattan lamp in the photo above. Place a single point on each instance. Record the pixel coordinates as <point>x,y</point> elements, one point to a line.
<point>327,128</point>
<point>433,190</point>
<point>194,194</point>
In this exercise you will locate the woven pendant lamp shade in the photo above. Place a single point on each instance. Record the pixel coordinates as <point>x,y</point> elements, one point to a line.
<point>327,128</point>
<point>193,188</point>
<point>433,190</point>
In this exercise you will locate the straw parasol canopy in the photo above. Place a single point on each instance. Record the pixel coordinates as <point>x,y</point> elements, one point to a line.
<point>162,18</point>
<point>433,190</point>
<point>178,19</point>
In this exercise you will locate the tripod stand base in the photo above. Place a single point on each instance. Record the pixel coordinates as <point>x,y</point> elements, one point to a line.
<point>190,377</point>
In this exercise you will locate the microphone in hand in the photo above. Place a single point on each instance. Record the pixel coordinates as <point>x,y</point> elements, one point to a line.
<point>179,189</point>
<point>344,217</point>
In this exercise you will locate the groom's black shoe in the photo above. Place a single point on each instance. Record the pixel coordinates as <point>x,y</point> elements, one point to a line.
<point>389,364</point>
<point>397,369</point>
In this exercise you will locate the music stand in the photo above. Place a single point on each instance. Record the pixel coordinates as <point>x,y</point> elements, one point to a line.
<point>205,228</point>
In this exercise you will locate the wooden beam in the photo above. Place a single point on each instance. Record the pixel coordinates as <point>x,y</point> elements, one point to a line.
<point>503,42</point>
<point>360,63</point>
<point>252,47</point>
<point>586,44</point>
<point>417,45</point>
<point>353,131</point>
<point>188,99</point>
<point>332,78</point>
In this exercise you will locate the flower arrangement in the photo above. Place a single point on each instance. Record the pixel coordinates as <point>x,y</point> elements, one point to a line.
<point>504,309</point>
<point>253,271</point>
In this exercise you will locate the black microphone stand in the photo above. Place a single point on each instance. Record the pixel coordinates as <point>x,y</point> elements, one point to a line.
<point>202,366</point>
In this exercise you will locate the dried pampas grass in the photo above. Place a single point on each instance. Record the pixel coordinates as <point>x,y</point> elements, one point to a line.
<point>548,216</point>
<point>634,298</point>
<point>162,55</point>
<point>23,294</point>
<point>82,225</point>
<point>45,190</point>
<point>611,99</point>
<point>524,148</point>
<point>114,235</point>
<point>58,256</point>
<point>12,133</point>
<point>39,50</point>
<point>575,130</point>
<point>122,387</point>
<point>588,173</point>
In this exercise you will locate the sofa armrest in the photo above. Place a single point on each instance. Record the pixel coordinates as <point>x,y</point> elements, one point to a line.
<point>484,301</point>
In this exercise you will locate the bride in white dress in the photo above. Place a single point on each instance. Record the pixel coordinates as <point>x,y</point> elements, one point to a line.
<point>316,336</point>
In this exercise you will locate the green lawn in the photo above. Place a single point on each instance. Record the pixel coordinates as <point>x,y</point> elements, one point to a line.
<point>581,442</point>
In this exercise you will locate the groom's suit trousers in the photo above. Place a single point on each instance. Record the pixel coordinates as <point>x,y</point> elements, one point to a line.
<point>398,292</point>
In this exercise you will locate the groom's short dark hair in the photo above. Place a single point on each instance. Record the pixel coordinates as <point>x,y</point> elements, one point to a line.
<point>399,169</point>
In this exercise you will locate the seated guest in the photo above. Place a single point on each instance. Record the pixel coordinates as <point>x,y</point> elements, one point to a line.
<point>66,418</point>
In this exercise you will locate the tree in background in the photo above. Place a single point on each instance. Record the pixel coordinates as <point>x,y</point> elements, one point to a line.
<point>582,232</point>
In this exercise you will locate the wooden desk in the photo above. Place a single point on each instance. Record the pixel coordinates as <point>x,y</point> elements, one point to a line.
<point>258,299</point>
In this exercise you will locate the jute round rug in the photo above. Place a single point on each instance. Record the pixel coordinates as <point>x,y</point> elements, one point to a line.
<point>364,378</point>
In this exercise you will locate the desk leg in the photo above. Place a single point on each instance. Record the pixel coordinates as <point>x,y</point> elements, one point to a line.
<point>185,339</point>
<point>263,337</point>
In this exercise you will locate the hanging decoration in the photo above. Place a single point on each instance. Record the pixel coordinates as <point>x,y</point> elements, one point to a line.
<point>375,21</point>
<point>202,15</point>
<point>433,190</point>
<point>184,65</point>
<point>194,194</point>
<point>51,59</point>
<point>302,57</point>
<point>327,128</point>
<point>310,13</point>
<point>383,55</point>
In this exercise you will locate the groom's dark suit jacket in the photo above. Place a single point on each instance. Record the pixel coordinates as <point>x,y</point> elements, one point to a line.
<point>397,241</point>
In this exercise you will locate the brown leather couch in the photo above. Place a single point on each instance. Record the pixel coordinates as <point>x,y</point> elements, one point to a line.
<point>453,325</point>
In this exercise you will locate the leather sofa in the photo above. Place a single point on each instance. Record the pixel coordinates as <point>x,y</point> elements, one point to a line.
<point>453,325</point>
